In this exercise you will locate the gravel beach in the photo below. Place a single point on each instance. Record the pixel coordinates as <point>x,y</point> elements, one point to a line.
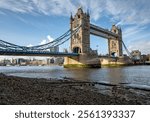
<point>32,91</point>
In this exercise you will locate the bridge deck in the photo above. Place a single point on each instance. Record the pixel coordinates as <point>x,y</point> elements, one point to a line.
<point>36,53</point>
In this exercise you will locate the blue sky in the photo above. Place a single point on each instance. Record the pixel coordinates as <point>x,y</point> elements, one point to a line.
<point>34,22</point>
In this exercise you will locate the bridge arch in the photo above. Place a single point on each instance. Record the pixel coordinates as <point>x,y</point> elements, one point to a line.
<point>76,50</point>
<point>113,54</point>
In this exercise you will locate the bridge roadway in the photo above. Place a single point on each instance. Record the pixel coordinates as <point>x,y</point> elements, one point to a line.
<point>36,53</point>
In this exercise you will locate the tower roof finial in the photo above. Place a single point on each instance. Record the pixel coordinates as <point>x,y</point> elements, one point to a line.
<point>80,9</point>
<point>88,13</point>
<point>71,16</point>
<point>80,6</point>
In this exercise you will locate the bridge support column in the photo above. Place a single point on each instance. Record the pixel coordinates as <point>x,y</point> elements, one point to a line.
<point>115,45</point>
<point>83,61</point>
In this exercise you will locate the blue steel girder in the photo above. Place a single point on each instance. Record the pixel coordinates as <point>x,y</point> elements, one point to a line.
<point>35,53</point>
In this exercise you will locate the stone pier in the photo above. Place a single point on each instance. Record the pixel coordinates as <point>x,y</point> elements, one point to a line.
<point>83,60</point>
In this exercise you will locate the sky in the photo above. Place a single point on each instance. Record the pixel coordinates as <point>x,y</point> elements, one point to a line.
<point>34,22</point>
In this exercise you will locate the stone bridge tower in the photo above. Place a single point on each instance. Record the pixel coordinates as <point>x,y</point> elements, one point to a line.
<point>80,42</point>
<point>115,45</point>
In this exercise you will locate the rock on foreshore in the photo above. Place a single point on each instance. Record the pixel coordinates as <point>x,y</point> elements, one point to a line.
<point>32,91</point>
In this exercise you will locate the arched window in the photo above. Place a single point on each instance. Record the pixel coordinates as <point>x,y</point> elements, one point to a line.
<point>76,50</point>
<point>78,16</point>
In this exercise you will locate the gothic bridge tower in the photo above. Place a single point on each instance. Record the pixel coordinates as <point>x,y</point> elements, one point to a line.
<point>80,42</point>
<point>115,45</point>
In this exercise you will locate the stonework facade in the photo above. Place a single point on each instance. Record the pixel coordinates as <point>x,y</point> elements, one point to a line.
<point>80,42</point>
<point>115,45</point>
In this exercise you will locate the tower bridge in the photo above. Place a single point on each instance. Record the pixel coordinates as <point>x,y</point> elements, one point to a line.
<point>79,35</point>
<point>80,42</point>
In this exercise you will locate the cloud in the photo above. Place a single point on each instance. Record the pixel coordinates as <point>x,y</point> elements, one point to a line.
<point>129,11</point>
<point>49,39</point>
<point>95,8</point>
<point>122,12</point>
<point>132,31</point>
<point>43,42</point>
<point>137,38</point>
<point>22,6</point>
<point>30,45</point>
<point>46,7</point>
<point>142,45</point>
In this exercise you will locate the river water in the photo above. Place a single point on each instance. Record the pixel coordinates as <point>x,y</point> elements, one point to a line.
<point>138,75</point>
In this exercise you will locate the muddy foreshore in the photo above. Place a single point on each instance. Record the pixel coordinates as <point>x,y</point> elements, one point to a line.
<point>31,91</point>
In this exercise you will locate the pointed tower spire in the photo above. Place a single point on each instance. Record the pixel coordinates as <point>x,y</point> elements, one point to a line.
<point>71,16</point>
<point>80,9</point>
<point>88,13</point>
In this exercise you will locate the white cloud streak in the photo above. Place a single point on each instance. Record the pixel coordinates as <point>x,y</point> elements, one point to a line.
<point>137,38</point>
<point>46,7</point>
<point>49,39</point>
<point>142,45</point>
<point>124,12</point>
<point>129,11</point>
<point>43,42</point>
<point>30,45</point>
<point>133,30</point>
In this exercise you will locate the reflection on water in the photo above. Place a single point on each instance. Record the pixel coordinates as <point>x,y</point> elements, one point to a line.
<point>132,74</point>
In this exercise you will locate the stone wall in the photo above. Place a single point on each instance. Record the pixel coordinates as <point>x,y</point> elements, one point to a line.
<point>83,60</point>
<point>106,61</point>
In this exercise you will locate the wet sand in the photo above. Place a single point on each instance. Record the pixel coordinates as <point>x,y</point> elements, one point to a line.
<point>66,91</point>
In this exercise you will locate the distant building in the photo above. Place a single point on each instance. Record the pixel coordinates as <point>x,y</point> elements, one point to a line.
<point>136,55</point>
<point>54,49</point>
<point>65,50</point>
<point>48,61</point>
<point>148,57</point>
<point>21,61</point>
<point>14,61</point>
<point>5,62</point>
<point>31,62</point>
<point>59,60</point>
<point>52,60</point>
<point>143,58</point>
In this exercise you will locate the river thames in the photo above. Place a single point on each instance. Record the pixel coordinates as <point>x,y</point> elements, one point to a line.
<point>136,75</point>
